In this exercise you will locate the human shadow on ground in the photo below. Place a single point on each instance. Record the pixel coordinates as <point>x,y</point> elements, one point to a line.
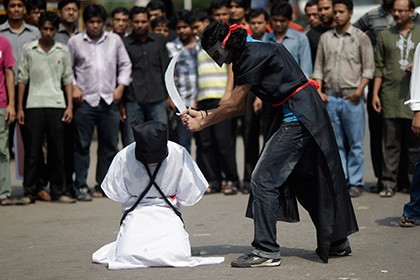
<point>217,250</point>
<point>389,222</point>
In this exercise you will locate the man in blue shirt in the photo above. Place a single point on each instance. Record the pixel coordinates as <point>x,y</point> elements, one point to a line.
<point>295,42</point>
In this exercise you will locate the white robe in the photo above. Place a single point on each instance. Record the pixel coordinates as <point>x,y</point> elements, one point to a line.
<point>414,101</point>
<point>152,234</point>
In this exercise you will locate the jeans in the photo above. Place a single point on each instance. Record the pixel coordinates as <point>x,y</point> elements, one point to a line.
<point>278,159</point>
<point>144,112</point>
<point>348,122</point>
<point>5,183</point>
<point>106,118</point>
<point>412,208</point>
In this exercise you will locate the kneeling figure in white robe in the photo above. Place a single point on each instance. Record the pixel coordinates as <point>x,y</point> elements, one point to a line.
<point>152,234</point>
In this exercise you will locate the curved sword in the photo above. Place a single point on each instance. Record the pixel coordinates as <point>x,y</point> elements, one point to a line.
<point>170,85</point>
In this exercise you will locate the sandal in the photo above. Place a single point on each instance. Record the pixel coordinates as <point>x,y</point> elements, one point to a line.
<point>230,189</point>
<point>407,222</point>
<point>7,202</point>
<point>211,190</point>
<point>355,191</point>
<point>386,193</point>
<point>97,194</point>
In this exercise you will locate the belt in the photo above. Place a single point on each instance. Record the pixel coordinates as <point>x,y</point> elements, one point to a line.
<point>340,93</point>
<point>309,82</point>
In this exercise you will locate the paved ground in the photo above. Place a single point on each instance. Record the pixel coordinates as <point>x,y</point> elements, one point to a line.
<point>54,241</point>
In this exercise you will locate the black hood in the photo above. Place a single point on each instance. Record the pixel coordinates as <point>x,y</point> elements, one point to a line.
<point>151,141</point>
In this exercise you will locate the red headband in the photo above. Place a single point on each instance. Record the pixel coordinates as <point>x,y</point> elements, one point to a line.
<point>232,27</point>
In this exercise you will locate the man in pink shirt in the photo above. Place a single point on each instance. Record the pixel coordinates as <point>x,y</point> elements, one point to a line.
<point>7,116</point>
<point>102,68</point>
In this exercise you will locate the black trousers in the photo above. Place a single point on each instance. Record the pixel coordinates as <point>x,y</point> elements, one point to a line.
<point>216,148</point>
<point>400,145</point>
<point>375,136</point>
<point>40,124</point>
<point>68,145</point>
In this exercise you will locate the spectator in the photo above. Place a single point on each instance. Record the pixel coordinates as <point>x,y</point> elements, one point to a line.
<point>69,14</point>
<point>292,24</point>
<point>98,88</point>
<point>185,72</point>
<point>259,21</point>
<point>34,8</point>
<point>326,16</point>
<point>45,110</point>
<point>146,99</point>
<point>120,21</point>
<point>411,211</point>
<point>16,30</point>
<point>393,61</point>
<point>216,153</point>
<point>344,65</point>
<point>220,10</point>
<point>311,14</point>
<point>157,8</point>
<point>152,231</point>
<point>18,33</point>
<point>295,42</point>
<point>160,25</point>
<point>239,10</point>
<point>372,23</point>
<point>7,116</point>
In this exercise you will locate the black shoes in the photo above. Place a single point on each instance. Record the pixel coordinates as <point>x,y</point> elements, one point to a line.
<point>251,260</point>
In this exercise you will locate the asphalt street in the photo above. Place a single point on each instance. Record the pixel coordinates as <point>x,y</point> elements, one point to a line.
<point>56,241</point>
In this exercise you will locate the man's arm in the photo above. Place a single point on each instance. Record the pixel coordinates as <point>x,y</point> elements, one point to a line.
<point>124,71</point>
<point>10,88</point>
<point>76,91</point>
<point>355,95</point>
<point>379,66</point>
<point>368,68</point>
<point>232,107</point>
<point>305,58</point>
<point>23,79</point>
<point>376,102</point>
<point>229,83</point>
<point>20,112</point>
<point>318,74</point>
<point>415,125</point>
<point>68,113</point>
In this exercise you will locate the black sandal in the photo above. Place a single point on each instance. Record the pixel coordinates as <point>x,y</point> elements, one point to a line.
<point>407,222</point>
<point>211,190</point>
<point>230,189</point>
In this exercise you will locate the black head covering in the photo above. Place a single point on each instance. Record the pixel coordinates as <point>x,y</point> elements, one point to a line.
<point>151,141</point>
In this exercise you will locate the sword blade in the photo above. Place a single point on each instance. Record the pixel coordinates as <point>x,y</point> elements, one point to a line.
<point>170,85</point>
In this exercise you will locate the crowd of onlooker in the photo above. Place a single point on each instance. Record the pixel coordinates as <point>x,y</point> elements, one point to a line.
<point>58,84</point>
